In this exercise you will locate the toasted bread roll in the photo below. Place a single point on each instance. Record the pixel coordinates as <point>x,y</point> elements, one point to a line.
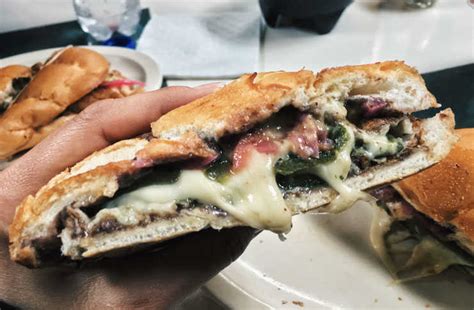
<point>70,76</point>
<point>445,192</point>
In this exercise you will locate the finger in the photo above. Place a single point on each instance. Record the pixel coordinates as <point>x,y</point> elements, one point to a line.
<point>114,120</point>
<point>111,120</point>
<point>95,128</point>
<point>165,277</point>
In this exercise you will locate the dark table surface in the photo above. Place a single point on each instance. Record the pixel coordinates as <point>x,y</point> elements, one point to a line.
<point>454,88</point>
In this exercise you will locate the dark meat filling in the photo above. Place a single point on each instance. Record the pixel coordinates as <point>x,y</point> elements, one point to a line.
<point>106,225</point>
<point>364,108</point>
<point>110,224</point>
<point>309,138</point>
<point>75,220</point>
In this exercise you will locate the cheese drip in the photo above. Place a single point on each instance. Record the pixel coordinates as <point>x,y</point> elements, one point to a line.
<point>252,195</point>
<point>335,172</point>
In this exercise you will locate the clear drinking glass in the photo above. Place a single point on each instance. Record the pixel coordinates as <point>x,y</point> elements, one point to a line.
<point>102,18</point>
<point>420,4</point>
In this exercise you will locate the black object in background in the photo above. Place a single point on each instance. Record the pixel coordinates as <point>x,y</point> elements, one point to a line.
<point>453,88</point>
<point>56,35</point>
<point>5,306</point>
<point>315,15</point>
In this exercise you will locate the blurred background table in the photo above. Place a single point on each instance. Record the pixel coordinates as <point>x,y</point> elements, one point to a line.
<point>433,39</point>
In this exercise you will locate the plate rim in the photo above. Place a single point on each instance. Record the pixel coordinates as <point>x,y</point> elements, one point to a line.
<point>145,61</point>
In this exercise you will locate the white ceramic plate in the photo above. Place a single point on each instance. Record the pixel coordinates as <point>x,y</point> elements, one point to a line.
<point>327,261</point>
<point>134,65</point>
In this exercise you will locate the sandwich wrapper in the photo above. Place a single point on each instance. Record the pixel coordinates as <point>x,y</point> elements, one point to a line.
<point>216,45</point>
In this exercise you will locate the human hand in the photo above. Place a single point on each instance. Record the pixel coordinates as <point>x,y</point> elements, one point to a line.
<point>146,280</point>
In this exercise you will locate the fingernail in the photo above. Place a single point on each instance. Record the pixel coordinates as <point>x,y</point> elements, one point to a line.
<point>214,85</point>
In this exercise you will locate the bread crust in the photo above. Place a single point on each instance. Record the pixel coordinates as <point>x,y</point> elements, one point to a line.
<point>342,82</point>
<point>227,111</point>
<point>185,132</point>
<point>445,192</point>
<point>238,106</point>
<point>70,76</point>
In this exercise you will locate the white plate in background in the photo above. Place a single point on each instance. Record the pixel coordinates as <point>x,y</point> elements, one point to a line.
<point>133,64</point>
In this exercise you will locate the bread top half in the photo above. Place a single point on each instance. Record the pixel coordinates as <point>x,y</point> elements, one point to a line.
<point>73,74</point>
<point>254,97</point>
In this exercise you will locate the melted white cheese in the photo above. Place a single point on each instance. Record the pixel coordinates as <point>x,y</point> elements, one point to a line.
<point>379,227</point>
<point>333,107</point>
<point>405,127</point>
<point>252,195</point>
<point>335,172</point>
<point>376,145</point>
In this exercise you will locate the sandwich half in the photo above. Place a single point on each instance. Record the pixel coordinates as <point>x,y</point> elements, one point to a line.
<point>425,223</point>
<point>263,148</point>
<point>36,101</point>
<point>66,77</point>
